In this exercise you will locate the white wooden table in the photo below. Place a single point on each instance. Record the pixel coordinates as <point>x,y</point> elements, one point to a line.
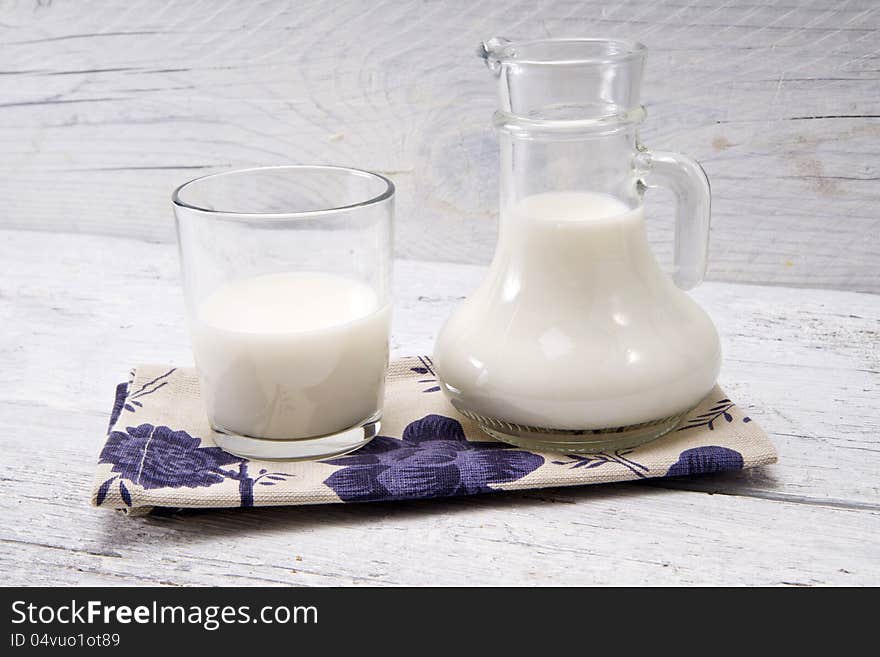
<point>106,106</point>
<point>77,311</point>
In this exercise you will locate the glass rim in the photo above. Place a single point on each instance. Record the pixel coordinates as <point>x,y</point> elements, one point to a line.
<point>387,193</point>
<point>626,49</point>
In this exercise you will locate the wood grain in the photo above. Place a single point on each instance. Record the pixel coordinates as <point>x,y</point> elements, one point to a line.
<point>105,107</point>
<point>79,310</point>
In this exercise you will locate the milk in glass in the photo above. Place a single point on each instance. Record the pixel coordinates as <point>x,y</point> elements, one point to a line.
<point>291,355</point>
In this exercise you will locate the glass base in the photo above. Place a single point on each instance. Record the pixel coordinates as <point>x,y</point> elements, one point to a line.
<point>584,441</point>
<point>298,449</point>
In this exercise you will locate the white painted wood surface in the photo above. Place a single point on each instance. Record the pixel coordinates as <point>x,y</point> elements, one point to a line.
<point>105,107</point>
<point>77,311</point>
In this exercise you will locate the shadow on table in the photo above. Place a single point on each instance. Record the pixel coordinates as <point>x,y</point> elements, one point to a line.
<point>207,524</point>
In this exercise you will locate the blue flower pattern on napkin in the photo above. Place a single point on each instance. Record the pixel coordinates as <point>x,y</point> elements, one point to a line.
<point>159,457</point>
<point>427,369</point>
<point>434,459</point>
<point>706,460</point>
<point>600,459</point>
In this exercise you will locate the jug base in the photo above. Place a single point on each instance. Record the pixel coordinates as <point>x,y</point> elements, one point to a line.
<point>583,441</point>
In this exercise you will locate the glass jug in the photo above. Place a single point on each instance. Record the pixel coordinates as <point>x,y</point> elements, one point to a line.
<point>577,340</point>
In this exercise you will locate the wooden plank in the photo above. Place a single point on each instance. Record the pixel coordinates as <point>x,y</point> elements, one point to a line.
<point>79,310</point>
<point>105,110</point>
<point>612,534</point>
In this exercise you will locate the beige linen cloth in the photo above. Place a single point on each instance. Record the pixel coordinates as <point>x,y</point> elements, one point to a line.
<point>159,452</point>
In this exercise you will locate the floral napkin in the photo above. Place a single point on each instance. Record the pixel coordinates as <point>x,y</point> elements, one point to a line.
<point>159,452</point>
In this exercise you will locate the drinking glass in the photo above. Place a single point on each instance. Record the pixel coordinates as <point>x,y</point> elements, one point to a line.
<point>287,274</point>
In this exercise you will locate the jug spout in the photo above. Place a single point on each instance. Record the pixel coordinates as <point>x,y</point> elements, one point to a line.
<point>491,51</point>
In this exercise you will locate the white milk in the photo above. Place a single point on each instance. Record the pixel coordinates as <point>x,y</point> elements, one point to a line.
<point>291,355</point>
<point>576,326</point>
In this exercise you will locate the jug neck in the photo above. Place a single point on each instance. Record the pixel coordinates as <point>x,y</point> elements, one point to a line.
<point>606,163</point>
<point>568,116</point>
<point>563,80</point>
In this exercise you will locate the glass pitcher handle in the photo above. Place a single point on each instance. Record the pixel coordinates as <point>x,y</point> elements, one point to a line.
<point>687,180</point>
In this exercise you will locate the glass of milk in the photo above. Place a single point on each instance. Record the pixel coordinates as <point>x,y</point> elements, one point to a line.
<point>287,274</point>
